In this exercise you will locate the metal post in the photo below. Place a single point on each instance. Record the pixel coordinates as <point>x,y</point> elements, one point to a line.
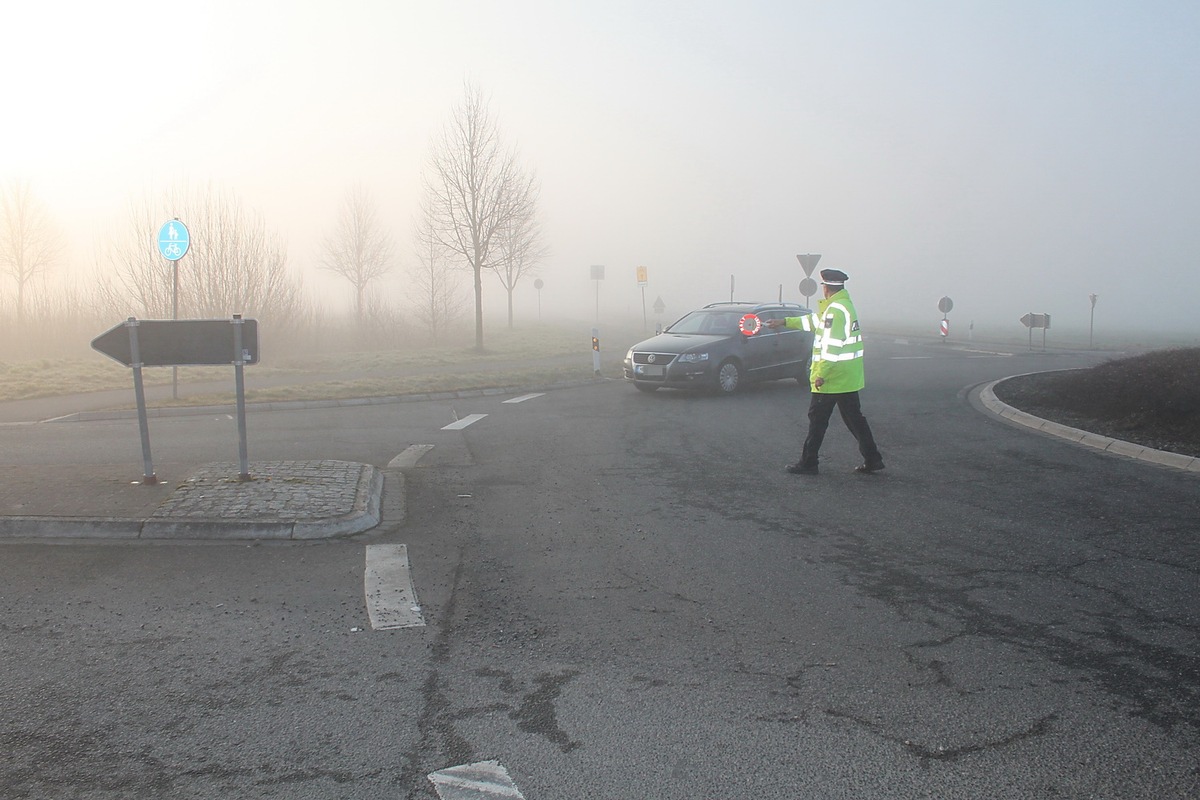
<point>139,391</point>
<point>596,351</point>
<point>643,309</point>
<point>239,366</point>
<point>1092,321</point>
<point>175,315</point>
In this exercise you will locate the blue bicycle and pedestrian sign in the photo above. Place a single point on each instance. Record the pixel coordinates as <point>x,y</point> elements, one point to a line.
<point>173,240</point>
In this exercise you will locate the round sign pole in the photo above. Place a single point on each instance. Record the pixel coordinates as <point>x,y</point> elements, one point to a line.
<point>173,242</point>
<point>944,306</point>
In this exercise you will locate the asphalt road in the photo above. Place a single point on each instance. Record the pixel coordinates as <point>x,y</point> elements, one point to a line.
<point>627,597</point>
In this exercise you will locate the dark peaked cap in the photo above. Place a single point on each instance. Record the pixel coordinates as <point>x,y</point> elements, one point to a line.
<point>834,277</point>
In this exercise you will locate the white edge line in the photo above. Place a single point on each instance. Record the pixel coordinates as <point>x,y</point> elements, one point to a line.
<point>458,425</point>
<point>524,397</point>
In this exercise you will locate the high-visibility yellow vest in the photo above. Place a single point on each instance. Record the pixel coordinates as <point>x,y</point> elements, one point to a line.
<point>837,344</point>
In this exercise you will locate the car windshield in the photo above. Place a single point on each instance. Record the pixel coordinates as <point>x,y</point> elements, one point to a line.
<point>708,321</point>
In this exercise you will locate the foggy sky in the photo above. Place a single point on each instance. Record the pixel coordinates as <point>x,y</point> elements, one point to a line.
<point>1014,156</point>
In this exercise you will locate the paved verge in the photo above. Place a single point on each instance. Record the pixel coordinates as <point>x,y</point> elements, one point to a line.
<point>282,500</point>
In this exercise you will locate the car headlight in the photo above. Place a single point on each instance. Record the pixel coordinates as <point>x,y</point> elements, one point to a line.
<point>693,358</point>
<point>629,355</point>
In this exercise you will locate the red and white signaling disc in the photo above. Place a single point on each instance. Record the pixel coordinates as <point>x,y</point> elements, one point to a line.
<point>750,324</point>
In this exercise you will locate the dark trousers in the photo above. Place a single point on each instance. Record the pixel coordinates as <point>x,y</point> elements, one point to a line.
<point>819,412</point>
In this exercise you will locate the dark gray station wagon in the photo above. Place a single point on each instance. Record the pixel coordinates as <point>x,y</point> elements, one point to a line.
<point>709,349</point>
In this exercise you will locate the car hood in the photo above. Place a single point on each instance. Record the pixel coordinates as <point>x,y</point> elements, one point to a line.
<point>677,343</point>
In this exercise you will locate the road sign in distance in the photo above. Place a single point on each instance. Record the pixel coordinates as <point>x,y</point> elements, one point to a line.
<point>538,284</point>
<point>597,272</point>
<point>180,342</point>
<point>945,304</point>
<point>809,262</point>
<point>173,240</point>
<point>1036,320</point>
<point>641,276</point>
<point>808,287</point>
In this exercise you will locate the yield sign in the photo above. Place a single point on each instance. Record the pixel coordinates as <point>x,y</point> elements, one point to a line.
<point>809,262</point>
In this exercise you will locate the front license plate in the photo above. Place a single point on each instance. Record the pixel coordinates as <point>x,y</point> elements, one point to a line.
<point>653,372</point>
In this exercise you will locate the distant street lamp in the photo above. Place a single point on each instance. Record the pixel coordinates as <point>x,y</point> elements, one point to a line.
<point>1092,322</point>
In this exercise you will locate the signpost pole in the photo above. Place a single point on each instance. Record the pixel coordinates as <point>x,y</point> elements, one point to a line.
<point>175,315</point>
<point>596,351</point>
<point>1092,320</point>
<point>173,242</point>
<point>597,276</point>
<point>239,377</point>
<point>139,391</point>
<point>641,279</point>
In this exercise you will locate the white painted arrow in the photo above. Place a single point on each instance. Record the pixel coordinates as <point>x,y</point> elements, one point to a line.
<point>482,780</point>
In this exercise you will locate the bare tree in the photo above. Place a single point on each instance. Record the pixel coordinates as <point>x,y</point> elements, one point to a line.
<point>474,188</point>
<point>439,300</point>
<point>359,249</point>
<point>232,266</point>
<point>30,242</point>
<point>520,250</point>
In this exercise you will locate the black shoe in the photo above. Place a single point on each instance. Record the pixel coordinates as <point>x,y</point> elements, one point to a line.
<point>802,469</point>
<point>872,466</point>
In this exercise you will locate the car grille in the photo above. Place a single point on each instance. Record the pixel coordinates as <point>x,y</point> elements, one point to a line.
<point>658,359</point>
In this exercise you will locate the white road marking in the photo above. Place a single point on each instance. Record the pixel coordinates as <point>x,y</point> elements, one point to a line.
<point>910,358</point>
<point>470,419</point>
<point>478,781</point>
<point>410,456</point>
<point>391,599</point>
<point>988,354</point>
<point>524,397</point>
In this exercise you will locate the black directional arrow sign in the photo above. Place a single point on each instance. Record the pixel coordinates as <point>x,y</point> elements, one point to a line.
<point>181,342</point>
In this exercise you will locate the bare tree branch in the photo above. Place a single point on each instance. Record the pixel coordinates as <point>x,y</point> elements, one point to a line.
<point>30,242</point>
<point>474,188</point>
<point>359,249</point>
<point>520,245</point>
<point>233,265</point>
<point>440,301</point>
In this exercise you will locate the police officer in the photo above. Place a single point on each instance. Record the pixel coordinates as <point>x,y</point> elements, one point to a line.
<point>836,373</point>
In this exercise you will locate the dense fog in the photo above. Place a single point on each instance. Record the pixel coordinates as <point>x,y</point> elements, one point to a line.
<point>1016,157</point>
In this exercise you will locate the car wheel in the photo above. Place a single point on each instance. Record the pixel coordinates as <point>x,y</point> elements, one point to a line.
<point>729,377</point>
<point>645,387</point>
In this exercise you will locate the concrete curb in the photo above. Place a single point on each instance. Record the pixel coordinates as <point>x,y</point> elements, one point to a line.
<point>993,404</point>
<point>365,514</point>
